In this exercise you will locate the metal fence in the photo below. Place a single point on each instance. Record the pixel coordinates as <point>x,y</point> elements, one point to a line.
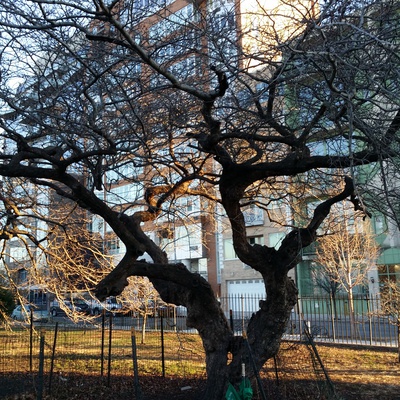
<point>327,319</point>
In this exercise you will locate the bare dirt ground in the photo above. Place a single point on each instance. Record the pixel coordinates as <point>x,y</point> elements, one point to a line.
<point>356,374</point>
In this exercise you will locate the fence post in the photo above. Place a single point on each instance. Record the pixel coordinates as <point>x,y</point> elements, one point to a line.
<point>369,319</point>
<point>162,347</point>
<point>52,356</point>
<point>138,393</point>
<point>242,305</point>
<point>276,370</point>
<point>333,315</point>
<point>31,341</point>
<point>109,349</point>
<point>175,320</point>
<point>300,318</point>
<point>41,366</point>
<point>102,343</point>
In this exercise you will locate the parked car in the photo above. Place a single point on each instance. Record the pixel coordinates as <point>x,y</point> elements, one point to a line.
<point>110,305</point>
<point>166,310</point>
<point>181,311</point>
<point>83,305</point>
<point>23,313</point>
<point>56,309</point>
<point>171,311</point>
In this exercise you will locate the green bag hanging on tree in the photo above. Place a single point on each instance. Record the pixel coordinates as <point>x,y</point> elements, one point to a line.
<point>245,390</point>
<point>232,394</point>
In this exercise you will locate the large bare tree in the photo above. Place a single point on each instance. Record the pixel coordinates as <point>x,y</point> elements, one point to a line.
<point>240,105</point>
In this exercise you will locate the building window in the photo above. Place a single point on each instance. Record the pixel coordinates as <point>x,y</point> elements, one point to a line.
<point>112,245</point>
<point>172,23</point>
<point>389,274</point>
<point>97,224</point>
<point>142,3</point>
<point>245,98</point>
<point>124,194</point>
<point>185,68</point>
<point>188,205</point>
<point>275,204</point>
<point>123,172</point>
<point>253,216</point>
<point>22,276</point>
<point>19,253</point>
<point>262,92</point>
<point>188,241</point>
<point>379,224</point>
<point>256,240</point>
<point>224,46</point>
<point>275,239</point>
<point>165,233</point>
<point>223,21</point>
<point>229,251</point>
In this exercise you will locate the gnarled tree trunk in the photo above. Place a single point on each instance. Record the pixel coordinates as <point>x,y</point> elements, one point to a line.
<point>177,285</point>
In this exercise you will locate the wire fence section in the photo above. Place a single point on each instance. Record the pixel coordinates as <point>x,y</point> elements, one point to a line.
<point>164,346</point>
<point>53,362</point>
<point>104,350</point>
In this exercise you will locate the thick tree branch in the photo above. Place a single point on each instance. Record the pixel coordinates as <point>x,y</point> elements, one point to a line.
<point>115,282</point>
<point>299,238</point>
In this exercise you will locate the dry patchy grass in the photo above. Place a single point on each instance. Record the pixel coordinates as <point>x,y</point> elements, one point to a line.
<point>363,373</point>
<point>357,372</point>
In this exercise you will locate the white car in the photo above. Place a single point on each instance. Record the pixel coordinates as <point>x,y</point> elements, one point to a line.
<point>23,313</point>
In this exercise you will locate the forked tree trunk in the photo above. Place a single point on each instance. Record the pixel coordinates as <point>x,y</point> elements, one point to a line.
<point>265,331</point>
<point>217,374</point>
<point>267,327</point>
<point>177,285</point>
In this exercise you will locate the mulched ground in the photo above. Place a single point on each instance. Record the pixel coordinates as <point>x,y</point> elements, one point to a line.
<point>19,387</point>
<point>26,386</point>
<point>357,374</point>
